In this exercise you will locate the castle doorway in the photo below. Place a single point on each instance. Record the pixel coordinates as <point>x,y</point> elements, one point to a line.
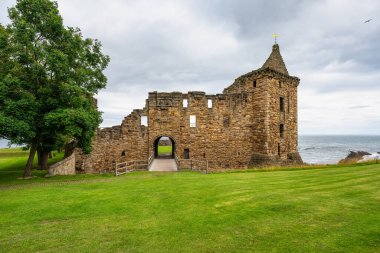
<point>164,147</point>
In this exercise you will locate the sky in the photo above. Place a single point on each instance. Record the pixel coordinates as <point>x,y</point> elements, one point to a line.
<point>197,45</point>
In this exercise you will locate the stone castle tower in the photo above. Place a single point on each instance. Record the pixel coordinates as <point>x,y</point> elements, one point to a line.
<point>252,123</point>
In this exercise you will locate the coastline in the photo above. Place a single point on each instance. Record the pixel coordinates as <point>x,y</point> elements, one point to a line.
<point>322,149</point>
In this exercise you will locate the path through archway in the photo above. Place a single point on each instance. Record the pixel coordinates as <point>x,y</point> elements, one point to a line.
<point>164,147</point>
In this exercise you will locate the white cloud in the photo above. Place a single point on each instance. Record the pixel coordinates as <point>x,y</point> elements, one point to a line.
<point>343,112</point>
<point>187,45</point>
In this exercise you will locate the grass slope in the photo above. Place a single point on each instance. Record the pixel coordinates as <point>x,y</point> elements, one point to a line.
<point>13,160</point>
<point>320,210</point>
<point>164,150</point>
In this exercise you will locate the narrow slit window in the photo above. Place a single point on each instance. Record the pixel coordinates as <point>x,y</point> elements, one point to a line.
<point>254,83</point>
<point>185,103</point>
<point>209,103</point>
<point>282,104</point>
<point>186,153</point>
<point>279,149</point>
<point>193,121</point>
<point>281,130</point>
<point>144,120</point>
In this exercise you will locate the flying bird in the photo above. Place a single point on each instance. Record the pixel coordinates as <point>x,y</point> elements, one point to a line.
<point>367,21</point>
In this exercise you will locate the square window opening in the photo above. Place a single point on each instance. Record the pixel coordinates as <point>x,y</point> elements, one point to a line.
<point>209,103</point>
<point>193,121</point>
<point>144,120</point>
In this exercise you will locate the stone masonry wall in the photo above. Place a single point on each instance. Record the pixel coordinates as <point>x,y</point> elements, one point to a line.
<point>241,129</point>
<point>64,167</point>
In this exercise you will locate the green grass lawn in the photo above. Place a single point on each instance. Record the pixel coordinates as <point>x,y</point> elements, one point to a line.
<point>13,160</point>
<point>335,209</point>
<point>164,150</point>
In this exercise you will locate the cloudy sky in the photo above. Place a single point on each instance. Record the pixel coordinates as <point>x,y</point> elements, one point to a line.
<point>174,45</point>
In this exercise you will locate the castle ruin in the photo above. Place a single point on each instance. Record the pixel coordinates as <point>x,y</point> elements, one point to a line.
<point>253,123</point>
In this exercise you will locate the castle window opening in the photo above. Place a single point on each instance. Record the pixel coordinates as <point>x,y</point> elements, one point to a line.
<point>144,120</point>
<point>193,121</point>
<point>281,130</point>
<point>209,103</point>
<point>226,121</point>
<point>254,83</point>
<point>186,153</point>
<point>123,153</point>
<point>204,155</point>
<point>282,104</point>
<point>280,84</point>
<point>185,103</point>
<point>279,149</point>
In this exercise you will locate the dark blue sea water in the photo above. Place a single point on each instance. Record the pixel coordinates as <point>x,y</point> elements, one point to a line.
<point>327,149</point>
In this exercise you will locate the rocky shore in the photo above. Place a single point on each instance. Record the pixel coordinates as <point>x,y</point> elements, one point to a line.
<point>359,156</point>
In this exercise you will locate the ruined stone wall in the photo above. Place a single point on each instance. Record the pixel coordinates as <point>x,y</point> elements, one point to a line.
<point>64,167</point>
<point>222,131</point>
<point>241,129</point>
<point>116,144</point>
<point>242,122</point>
<point>268,86</point>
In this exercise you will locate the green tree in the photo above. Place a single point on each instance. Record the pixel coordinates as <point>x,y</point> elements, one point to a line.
<point>48,76</point>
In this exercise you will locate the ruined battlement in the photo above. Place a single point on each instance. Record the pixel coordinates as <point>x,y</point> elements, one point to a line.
<point>252,123</point>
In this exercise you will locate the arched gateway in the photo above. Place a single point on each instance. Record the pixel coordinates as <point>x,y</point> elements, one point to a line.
<point>252,123</point>
<point>164,147</point>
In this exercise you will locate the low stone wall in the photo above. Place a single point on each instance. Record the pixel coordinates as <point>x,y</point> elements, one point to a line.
<point>64,167</point>
<point>261,160</point>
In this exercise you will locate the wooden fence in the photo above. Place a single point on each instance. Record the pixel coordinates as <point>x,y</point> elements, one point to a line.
<point>150,160</point>
<point>125,167</point>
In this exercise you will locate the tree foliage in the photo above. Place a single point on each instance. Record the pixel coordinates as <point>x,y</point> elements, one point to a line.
<point>48,76</point>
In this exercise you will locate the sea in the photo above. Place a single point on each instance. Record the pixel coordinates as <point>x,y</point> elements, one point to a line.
<point>330,149</point>
<point>325,149</point>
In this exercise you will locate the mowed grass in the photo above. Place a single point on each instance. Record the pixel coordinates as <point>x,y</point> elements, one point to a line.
<point>164,150</point>
<point>13,161</point>
<point>319,210</point>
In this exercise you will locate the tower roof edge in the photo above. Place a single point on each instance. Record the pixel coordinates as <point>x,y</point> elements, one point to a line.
<point>275,61</point>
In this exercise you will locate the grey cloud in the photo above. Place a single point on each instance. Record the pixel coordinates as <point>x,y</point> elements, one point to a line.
<point>204,45</point>
<point>359,107</point>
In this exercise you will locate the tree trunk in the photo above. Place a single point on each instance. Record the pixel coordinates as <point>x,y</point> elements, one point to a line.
<point>29,164</point>
<point>44,159</point>
<point>39,157</point>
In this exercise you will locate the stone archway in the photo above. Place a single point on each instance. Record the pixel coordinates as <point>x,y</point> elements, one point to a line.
<point>160,140</point>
